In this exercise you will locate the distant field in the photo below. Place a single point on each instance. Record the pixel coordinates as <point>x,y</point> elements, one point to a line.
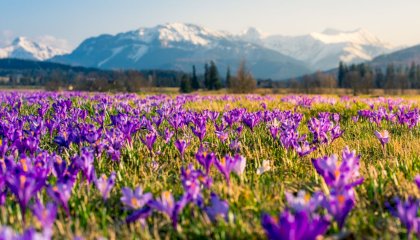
<point>208,166</point>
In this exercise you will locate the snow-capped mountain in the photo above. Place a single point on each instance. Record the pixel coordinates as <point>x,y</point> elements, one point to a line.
<point>323,51</point>
<point>24,48</point>
<point>178,46</point>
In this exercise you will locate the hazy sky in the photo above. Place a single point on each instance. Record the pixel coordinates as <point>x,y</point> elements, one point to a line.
<point>68,22</point>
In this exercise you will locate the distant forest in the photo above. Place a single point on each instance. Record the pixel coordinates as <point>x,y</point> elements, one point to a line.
<point>54,76</point>
<point>359,78</point>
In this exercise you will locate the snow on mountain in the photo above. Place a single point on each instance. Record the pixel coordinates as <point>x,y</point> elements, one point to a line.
<point>324,50</point>
<point>177,46</point>
<point>359,36</point>
<point>23,48</point>
<point>173,33</point>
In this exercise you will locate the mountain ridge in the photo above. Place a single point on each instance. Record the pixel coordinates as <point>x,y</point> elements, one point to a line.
<point>178,46</point>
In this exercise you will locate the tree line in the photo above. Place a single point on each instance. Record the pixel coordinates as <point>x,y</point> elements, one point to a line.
<point>362,78</point>
<point>357,78</point>
<point>242,82</point>
<point>54,76</point>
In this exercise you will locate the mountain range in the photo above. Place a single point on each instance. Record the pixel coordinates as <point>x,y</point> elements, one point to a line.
<point>322,51</point>
<point>178,46</point>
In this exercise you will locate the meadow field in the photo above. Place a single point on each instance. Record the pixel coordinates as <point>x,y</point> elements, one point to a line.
<point>79,165</point>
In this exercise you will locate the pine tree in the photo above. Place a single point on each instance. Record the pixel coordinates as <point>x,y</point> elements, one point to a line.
<point>206,77</point>
<point>194,80</point>
<point>412,75</point>
<point>185,86</point>
<point>214,78</point>
<point>417,85</point>
<point>228,77</point>
<point>341,74</point>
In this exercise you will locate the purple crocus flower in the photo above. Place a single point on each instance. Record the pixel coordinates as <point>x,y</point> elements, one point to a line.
<point>213,115</point>
<point>135,199</point>
<point>383,137</point>
<point>167,205</point>
<point>228,164</point>
<point>406,212</point>
<point>355,118</point>
<point>239,164</point>
<point>62,140</point>
<point>46,215</point>
<point>417,181</point>
<point>167,135</point>
<point>8,233</point>
<point>296,226</point>
<point>341,180</point>
<point>193,181</point>
<point>149,140</point>
<point>217,208</point>
<point>340,203</point>
<point>199,130</point>
<point>251,120</point>
<point>85,164</point>
<point>61,194</point>
<point>347,174</point>
<point>181,145</point>
<point>24,185</point>
<point>274,131</point>
<point>304,149</point>
<point>336,132</point>
<point>222,135</point>
<point>304,201</point>
<point>235,145</point>
<point>205,159</point>
<point>105,184</point>
<point>140,214</point>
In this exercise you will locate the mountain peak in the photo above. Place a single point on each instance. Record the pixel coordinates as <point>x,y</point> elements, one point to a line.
<point>22,42</point>
<point>19,40</point>
<point>251,34</point>
<point>24,48</point>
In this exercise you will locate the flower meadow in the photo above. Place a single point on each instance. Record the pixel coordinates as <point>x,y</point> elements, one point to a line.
<point>79,165</point>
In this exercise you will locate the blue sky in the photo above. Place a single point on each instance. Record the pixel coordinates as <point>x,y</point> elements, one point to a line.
<point>68,22</point>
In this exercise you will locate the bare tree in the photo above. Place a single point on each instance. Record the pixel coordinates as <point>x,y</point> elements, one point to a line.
<point>243,82</point>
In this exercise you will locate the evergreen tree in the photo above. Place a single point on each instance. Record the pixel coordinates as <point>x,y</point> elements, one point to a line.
<point>194,80</point>
<point>412,75</point>
<point>417,85</point>
<point>185,86</point>
<point>206,77</point>
<point>228,77</point>
<point>214,78</point>
<point>341,74</point>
